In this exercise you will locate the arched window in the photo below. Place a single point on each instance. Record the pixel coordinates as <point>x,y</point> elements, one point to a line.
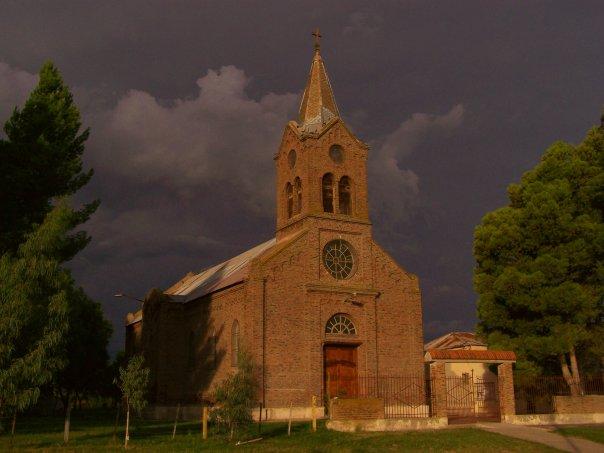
<point>340,324</point>
<point>344,195</point>
<point>235,343</point>
<point>289,194</point>
<point>327,189</point>
<point>298,190</point>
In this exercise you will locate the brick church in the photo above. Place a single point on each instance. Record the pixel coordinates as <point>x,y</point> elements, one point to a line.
<point>315,306</point>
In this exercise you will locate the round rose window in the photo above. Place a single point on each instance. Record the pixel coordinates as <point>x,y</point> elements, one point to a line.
<point>336,153</point>
<point>339,259</point>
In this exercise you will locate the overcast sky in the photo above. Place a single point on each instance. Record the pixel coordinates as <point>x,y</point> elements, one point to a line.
<point>187,102</point>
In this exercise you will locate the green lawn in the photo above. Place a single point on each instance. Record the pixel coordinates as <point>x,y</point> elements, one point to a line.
<point>595,433</point>
<point>95,433</point>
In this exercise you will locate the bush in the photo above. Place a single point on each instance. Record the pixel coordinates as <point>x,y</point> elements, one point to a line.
<point>235,396</point>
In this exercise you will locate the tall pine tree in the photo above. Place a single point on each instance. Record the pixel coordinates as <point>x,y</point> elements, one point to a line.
<point>540,268</point>
<point>46,323</point>
<point>40,160</point>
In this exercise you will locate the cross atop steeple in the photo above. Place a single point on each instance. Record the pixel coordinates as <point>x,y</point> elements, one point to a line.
<point>318,105</point>
<point>317,35</point>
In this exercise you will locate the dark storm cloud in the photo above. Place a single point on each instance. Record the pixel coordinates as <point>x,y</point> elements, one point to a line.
<point>456,99</point>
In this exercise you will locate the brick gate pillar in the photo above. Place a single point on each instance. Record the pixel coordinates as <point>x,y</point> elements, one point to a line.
<point>505,378</point>
<point>438,384</point>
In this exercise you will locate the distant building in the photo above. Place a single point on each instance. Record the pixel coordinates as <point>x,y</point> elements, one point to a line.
<point>316,306</point>
<point>457,348</point>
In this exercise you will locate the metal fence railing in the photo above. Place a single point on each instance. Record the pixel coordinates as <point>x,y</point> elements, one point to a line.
<point>535,394</point>
<point>403,396</point>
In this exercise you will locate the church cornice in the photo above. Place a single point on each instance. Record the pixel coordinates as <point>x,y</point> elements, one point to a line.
<point>354,291</point>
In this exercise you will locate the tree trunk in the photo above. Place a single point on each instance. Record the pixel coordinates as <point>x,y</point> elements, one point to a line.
<point>574,368</point>
<point>127,424</point>
<point>67,425</point>
<point>117,420</point>
<point>12,431</point>
<point>176,421</point>
<point>567,375</point>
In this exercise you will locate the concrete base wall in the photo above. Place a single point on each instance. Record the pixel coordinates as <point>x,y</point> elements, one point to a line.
<point>193,412</point>
<point>282,413</point>
<point>388,424</point>
<point>553,419</point>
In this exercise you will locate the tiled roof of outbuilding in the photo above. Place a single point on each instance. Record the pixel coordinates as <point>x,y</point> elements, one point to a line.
<point>462,355</point>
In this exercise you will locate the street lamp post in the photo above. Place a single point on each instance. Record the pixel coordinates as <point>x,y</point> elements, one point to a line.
<point>127,296</point>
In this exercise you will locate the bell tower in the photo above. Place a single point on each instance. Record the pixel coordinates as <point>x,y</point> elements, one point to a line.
<point>321,166</point>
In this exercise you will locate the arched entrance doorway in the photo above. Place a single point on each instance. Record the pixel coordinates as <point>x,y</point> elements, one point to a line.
<point>340,365</point>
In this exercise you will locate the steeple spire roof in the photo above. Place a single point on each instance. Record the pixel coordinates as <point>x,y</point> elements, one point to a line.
<point>318,105</point>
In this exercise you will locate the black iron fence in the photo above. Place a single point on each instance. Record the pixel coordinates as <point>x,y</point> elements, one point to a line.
<point>535,394</point>
<point>472,398</point>
<point>403,396</point>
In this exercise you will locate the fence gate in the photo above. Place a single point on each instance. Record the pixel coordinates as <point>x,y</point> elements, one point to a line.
<point>472,399</point>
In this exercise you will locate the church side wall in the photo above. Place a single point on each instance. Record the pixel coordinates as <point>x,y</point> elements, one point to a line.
<point>400,331</point>
<point>207,327</point>
<point>166,352</point>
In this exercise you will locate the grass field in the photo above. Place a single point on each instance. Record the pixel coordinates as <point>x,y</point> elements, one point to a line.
<point>95,433</point>
<point>595,433</point>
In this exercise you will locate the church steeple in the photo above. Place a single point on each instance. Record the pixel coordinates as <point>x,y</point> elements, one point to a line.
<point>321,166</point>
<point>318,106</point>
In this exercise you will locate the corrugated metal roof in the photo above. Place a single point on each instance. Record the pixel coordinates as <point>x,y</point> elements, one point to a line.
<point>470,355</point>
<point>455,340</point>
<point>193,286</point>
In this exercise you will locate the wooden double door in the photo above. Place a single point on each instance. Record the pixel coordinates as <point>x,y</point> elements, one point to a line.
<point>340,365</point>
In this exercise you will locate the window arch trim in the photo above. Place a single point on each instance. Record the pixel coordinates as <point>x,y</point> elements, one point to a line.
<point>340,324</point>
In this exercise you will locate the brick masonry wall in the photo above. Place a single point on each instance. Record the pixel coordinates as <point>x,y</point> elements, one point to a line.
<point>299,298</point>
<point>439,389</point>
<point>588,404</point>
<point>356,409</point>
<point>505,381</point>
<point>312,163</point>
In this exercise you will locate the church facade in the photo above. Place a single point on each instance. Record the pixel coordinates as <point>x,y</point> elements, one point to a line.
<point>315,307</point>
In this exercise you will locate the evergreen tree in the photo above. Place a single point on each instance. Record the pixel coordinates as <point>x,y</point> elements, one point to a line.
<point>540,268</point>
<point>40,161</point>
<point>34,291</point>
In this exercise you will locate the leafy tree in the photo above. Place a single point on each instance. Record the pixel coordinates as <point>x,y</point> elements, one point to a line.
<point>540,271</point>
<point>235,396</point>
<point>85,353</point>
<point>134,383</point>
<point>40,161</point>
<point>34,291</point>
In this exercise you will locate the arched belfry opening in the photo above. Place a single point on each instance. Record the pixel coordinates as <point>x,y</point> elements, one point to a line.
<point>289,195</point>
<point>327,191</point>
<point>345,195</point>
<point>298,195</point>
